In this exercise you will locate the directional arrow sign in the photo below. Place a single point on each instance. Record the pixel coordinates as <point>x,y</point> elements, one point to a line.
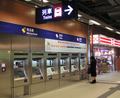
<point>57,12</point>
<point>69,10</point>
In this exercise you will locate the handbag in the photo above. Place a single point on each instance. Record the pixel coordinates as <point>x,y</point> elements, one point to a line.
<point>89,69</point>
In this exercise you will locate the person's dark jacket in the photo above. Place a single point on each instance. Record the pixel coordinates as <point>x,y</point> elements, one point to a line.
<point>93,67</point>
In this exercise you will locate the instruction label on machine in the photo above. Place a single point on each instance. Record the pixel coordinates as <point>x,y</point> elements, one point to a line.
<point>64,46</point>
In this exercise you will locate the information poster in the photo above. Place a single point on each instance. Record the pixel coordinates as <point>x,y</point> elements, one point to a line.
<point>64,46</point>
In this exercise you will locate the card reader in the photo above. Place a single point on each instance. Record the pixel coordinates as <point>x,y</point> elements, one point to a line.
<point>3,67</point>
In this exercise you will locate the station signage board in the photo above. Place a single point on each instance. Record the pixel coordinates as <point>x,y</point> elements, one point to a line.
<point>11,28</point>
<point>101,39</point>
<point>57,12</point>
<point>52,45</point>
<point>105,40</point>
<point>95,39</point>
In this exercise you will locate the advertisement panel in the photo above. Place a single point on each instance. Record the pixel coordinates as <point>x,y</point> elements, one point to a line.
<point>64,46</point>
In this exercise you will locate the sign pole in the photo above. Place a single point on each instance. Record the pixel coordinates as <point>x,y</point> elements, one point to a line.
<point>41,3</point>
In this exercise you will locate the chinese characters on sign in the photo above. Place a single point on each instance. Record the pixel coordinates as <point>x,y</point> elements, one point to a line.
<point>47,13</point>
<point>57,12</point>
<point>64,46</point>
<point>29,31</point>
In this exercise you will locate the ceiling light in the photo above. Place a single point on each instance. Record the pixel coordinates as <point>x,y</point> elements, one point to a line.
<point>36,6</point>
<point>117,32</point>
<point>94,22</point>
<point>109,28</point>
<point>79,15</point>
<point>45,1</point>
<point>27,0</point>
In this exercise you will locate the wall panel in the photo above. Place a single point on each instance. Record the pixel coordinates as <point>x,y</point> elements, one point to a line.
<point>20,42</point>
<point>5,41</point>
<point>37,44</point>
<point>72,28</point>
<point>15,12</point>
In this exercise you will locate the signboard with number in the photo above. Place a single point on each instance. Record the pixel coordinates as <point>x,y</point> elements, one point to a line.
<point>57,12</point>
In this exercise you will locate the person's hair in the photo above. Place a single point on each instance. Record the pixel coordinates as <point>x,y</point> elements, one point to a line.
<point>92,58</point>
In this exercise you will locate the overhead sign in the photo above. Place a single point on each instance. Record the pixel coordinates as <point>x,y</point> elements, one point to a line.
<point>11,28</point>
<point>101,39</point>
<point>64,46</point>
<point>57,12</point>
<point>105,40</point>
<point>95,39</point>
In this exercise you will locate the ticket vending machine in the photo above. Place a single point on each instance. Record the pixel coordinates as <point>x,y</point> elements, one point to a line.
<point>21,74</point>
<point>52,70</point>
<point>75,69</point>
<point>64,69</point>
<point>38,80</point>
<point>83,66</point>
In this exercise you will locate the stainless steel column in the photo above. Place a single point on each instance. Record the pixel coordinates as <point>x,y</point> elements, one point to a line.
<point>75,67</point>
<point>64,69</point>
<point>20,64</point>
<point>83,66</point>
<point>38,72</point>
<point>52,76</point>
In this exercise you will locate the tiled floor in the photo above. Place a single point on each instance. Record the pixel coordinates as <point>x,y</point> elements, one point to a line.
<point>107,86</point>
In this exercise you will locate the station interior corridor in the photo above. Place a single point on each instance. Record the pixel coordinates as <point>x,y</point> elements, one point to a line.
<point>107,86</point>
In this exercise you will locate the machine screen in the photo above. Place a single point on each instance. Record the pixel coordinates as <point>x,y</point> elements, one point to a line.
<point>72,61</point>
<point>64,68</point>
<point>37,71</point>
<point>62,61</point>
<point>49,70</point>
<point>52,69</point>
<point>19,64</point>
<point>50,62</point>
<point>75,67</point>
<point>21,73</point>
<point>35,63</point>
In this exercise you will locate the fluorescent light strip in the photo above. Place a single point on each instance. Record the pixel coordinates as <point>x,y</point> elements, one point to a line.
<point>117,32</point>
<point>94,22</point>
<point>45,1</point>
<point>36,6</point>
<point>109,28</point>
<point>27,0</point>
<point>79,15</point>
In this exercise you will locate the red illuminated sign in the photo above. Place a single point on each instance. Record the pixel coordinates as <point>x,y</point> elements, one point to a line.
<point>58,10</point>
<point>117,43</point>
<point>112,42</point>
<point>106,40</point>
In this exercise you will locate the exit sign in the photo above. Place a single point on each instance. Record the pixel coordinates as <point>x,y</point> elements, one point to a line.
<point>57,12</point>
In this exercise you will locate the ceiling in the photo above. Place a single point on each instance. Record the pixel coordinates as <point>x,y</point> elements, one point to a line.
<point>107,11</point>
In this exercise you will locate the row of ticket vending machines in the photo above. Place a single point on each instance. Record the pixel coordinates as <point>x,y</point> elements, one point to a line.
<point>39,71</point>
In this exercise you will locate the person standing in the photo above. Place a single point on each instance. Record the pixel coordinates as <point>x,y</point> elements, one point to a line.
<point>93,69</point>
